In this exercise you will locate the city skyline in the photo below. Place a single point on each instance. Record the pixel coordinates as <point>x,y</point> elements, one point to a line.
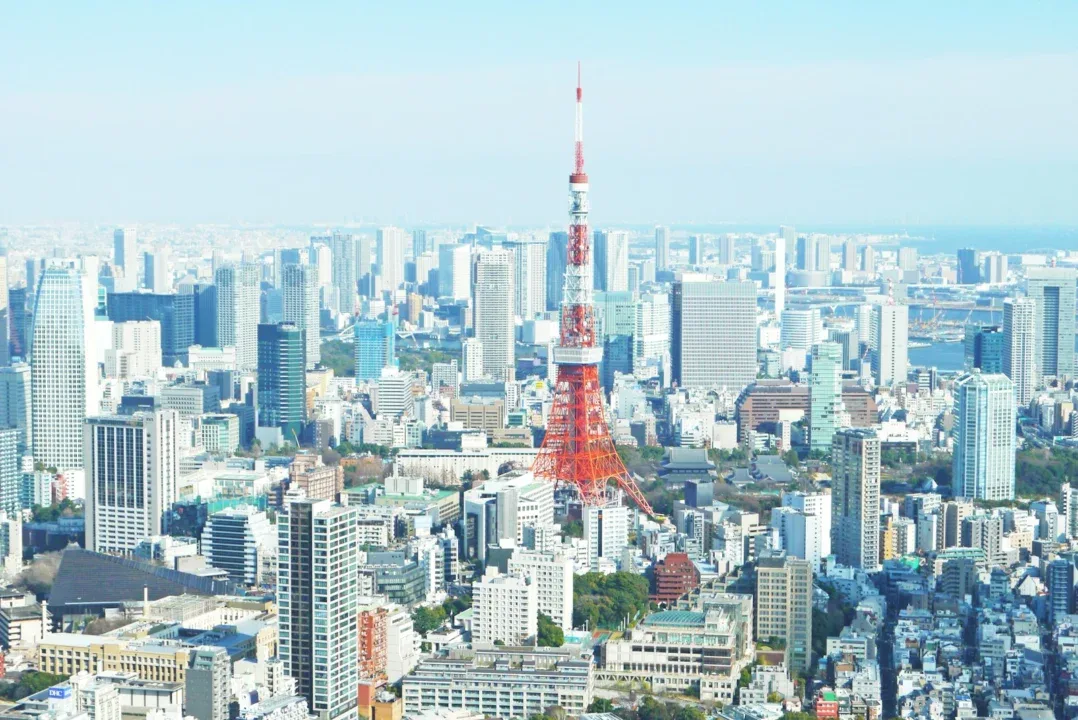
<point>227,118</point>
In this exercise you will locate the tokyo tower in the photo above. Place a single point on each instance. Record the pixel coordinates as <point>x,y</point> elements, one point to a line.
<point>578,449</point>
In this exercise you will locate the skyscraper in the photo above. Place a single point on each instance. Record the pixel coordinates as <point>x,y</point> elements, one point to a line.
<point>801,328</point>
<point>6,314</point>
<point>155,274</point>
<point>849,256</point>
<point>727,253</point>
<point>556,249</point>
<point>784,606</point>
<point>282,380</point>
<point>63,370</point>
<point>529,275</point>
<point>806,253</point>
<point>390,257</point>
<point>890,343</point>
<point>783,243</point>
<point>207,689</point>
<point>238,294</point>
<point>696,249</point>
<point>367,286</point>
<point>175,312</point>
<point>454,271</point>
<point>132,477</point>
<point>493,302</point>
<point>471,355</point>
<point>1060,581</point>
<point>1020,347</point>
<point>375,346</point>
<point>345,265</point>
<point>15,403</point>
<point>419,242</point>
<point>907,258</point>
<point>300,290</point>
<point>611,260</point>
<point>662,248</point>
<point>984,348</point>
<point>204,297</point>
<point>855,498</point>
<point>237,540</point>
<point>868,260</point>
<point>1053,289</point>
<point>317,595</point>
<point>969,270</point>
<point>125,251</point>
<point>699,307</point>
<point>984,436</point>
<point>825,395</point>
<point>10,479</point>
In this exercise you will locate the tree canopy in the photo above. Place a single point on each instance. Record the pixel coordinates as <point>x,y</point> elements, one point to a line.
<point>549,635</point>
<point>606,601</point>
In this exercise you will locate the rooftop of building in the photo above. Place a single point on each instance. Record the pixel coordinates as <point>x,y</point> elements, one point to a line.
<point>675,618</point>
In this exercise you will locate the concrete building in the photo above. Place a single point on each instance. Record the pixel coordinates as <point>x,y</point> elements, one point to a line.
<point>606,534</point>
<point>317,595</point>
<point>784,606</point>
<point>889,344</point>
<point>390,256</point>
<point>855,498</point>
<point>612,260</point>
<point>282,382</point>
<point>698,308</point>
<point>135,351</point>
<point>131,478</point>
<point>1053,291</point>
<point>238,311</point>
<point>529,275</point>
<point>125,251</point>
<point>662,248</point>
<point>493,295</point>
<point>505,609</point>
<point>454,271</point>
<point>207,687</point>
<point>472,360</point>
<point>1020,347</point>
<point>301,306</point>
<point>552,576</point>
<point>15,402</point>
<point>984,436</point>
<point>375,348</point>
<point>240,540</point>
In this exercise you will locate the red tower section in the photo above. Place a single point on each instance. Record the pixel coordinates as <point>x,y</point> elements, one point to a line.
<point>578,448</point>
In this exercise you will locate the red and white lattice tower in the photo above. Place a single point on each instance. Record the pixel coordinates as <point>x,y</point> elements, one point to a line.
<point>578,449</point>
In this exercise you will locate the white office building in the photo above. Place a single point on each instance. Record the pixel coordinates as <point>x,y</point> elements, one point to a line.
<point>505,609</point>
<point>494,293</point>
<point>612,260</point>
<point>135,351</point>
<point>552,575</point>
<point>242,542</point>
<point>890,343</point>
<point>238,310</point>
<point>801,329</point>
<point>299,288</point>
<point>984,436</point>
<point>818,505</point>
<point>390,256</point>
<point>700,309</point>
<point>606,534</point>
<point>529,275</point>
<point>63,365</point>
<point>455,271</point>
<point>1020,347</point>
<point>132,477</point>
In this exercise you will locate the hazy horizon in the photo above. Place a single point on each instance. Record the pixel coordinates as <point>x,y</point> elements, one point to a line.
<point>813,114</point>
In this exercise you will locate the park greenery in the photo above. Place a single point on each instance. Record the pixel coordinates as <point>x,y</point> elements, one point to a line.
<point>428,619</point>
<point>1039,472</point>
<point>52,513</point>
<point>338,356</point>
<point>608,601</point>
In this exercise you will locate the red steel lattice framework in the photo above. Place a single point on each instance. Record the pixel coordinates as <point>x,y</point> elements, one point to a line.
<point>578,449</point>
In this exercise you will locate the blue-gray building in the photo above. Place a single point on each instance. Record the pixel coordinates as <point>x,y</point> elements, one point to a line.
<point>176,313</point>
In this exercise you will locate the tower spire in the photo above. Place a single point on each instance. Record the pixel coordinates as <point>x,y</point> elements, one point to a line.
<point>578,449</point>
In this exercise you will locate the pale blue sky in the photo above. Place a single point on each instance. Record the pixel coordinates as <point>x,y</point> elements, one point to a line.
<point>805,112</point>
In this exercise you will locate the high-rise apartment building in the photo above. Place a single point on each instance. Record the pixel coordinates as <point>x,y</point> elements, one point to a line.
<point>784,606</point>
<point>984,436</point>
<point>207,683</point>
<point>662,248</point>
<point>1053,291</point>
<point>552,575</point>
<point>606,533</point>
<point>135,351</point>
<point>345,262</point>
<point>785,241</point>
<point>174,311</point>
<point>890,343</point>
<point>282,380</point>
<point>817,539</point>
<point>529,275</point>
<point>969,267</point>
<point>983,346</point>
<point>471,355</point>
<point>317,598</point>
<point>301,308</point>
<point>868,260</point>
<point>238,291</point>
<point>390,256</point>
<point>505,609</point>
<point>155,273</point>
<point>124,253</point>
<point>699,308</point>
<point>907,258</point>
<point>493,292</point>
<point>806,253</point>
<point>1020,347</point>
<point>855,498</point>
<point>994,268</point>
<point>825,395</point>
<point>556,259</point>
<point>420,243</point>
<point>801,329</point>
<point>11,481</point>
<point>132,478</point>
<point>375,348</point>
<point>651,337</point>
<point>612,260</point>
<point>727,249</point>
<point>1060,576</point>
<point>454,271</point>
<point>63,366</point>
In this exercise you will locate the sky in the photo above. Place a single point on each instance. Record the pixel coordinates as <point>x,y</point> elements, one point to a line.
<point>916,113</point>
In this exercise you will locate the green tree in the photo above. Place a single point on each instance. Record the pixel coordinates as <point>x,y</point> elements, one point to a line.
<point>652,709</point>
<point>790,458</point>
<point>29,683</point>
<point>549,634</point>
<point>573,529</point>
<point>689,712</point>
<point>601,705</point>
<point>426,619</point>
<point>607,601</point>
